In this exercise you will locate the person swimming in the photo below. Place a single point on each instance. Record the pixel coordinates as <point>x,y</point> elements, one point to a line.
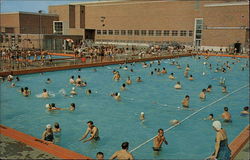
<point>177,85</point>
<point>26,92</point>
<point>48,81</point>
<point>202,95</point>
<point>224,89</point>
<point>72,107</point>
<point>245,111</point>
<point>171,76</point>
<point>123,87</point>
<point>142,116</point>
<point>73,91</point>
<point>138,79</point>
<point>10,78</point>
<point>45,94</point>
<point>186,74</point>
<point>210,117</point>
<point>125,68</point>
<point>191,77</point>
<point>129,81</point>
<point>52,107</point>
<point>226,115</point>
<point>116,96</point>
<point>163,71</point>
<point>174,122</point>
<point>117,76</point>
<point>209,88</point>
<point>78,79</point>
<point>158,140</point>
<point>185,101</point>
<point>187,68</point>
<point>88,92</point>
<point>71,80</point>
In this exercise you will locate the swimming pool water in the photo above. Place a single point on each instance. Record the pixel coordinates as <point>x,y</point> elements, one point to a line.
<point>119,121</point>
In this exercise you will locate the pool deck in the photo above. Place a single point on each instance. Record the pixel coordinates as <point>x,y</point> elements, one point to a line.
<point>17,145</point>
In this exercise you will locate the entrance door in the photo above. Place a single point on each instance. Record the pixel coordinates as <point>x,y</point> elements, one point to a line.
<point>90,34</point>
<point>238,47</point>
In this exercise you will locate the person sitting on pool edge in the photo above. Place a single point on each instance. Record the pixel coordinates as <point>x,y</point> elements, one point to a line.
<point>94,133</point>
<point>177,85</point>
<point>123,87</point>
<point>45,94</point>
<point>122,154</point>
<point>226,115</point>
<point>26,92</point>
<point>48,134</point>
<point>245,111</point>
<point>158,140</point>
<point>185,101</point>
<point>191,77</point>
<point>171,76</point>
<point>210,117</point>
<point>202,95</point>
<point>116,96</point>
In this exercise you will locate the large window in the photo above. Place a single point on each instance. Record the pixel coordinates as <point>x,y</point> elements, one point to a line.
<point>190,33</point>
<point>9,30</point>
<point>98,32</point>
<point>174,33</point>
<point>151,32</point>
<point>58,27</point>
<point>130,32</point>
<point>123,32</point>
<point>198,31</point>
<point>137,33</point>
<point>166,33</point>
<point>183,33</point>
<point>158,32</point>
<point>104,32</point>
<point>110,32</point>
<point>117,32</point>
<point>143,32</point>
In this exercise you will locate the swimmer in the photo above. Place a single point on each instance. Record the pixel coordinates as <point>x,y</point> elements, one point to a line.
<point>116,96</point>
<point>226,115</point>
<point>88,92</point>
<point>163,71</point>
<point>171,76</point>
<point>13,85</point>
<point>56,128</point>
<point>17,79</point>
<point>114,71</point>
<point>152,73</point>
<point>177,85</point>
<point>128,81</point>
<point>131,70</point>
<point>123,87</point>
<point>186,74</point>
<point>209,88</point>
<point>216,70</point>
<point>178,66</point>
<point>48,81</point>
<point>45,94</point>
<point>117,76</point>
<point>191,77</point>
<point>210,117</point>
<point>142,117</point>
<point>71,80</point>
<point>94,133</point>
<point>26,92</point>
<point>174,122</point>
<point>99,156</point>
<point>185,101</point>
<point>144,65</point>
<point>123,153</point>
<point>245,111</point>
<point>187,68</point>
<point>222,81</point>
<point>78,79</point>
<point>52,107</point>
<point>159,62</point>
<point>158,140</point>
<point>72,107</point>
<point>138,79</point>
<point>158,71</point>
<point>10,78</point>
<point>21,90</point>
<point>224,89</point>
<point>202,95</point>
<point>73,92</point>
<point>125,68</point>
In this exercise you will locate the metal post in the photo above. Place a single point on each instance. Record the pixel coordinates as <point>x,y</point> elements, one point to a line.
<point>40,11</point>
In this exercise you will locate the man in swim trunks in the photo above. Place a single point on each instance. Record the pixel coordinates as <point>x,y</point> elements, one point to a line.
<point>158,140</point>
<point>226,115</point>
<point>185,101</point>
<point>122,154</point>
<point>94,133</point>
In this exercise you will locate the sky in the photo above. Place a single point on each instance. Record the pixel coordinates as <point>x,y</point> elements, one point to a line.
<point>32,5</point>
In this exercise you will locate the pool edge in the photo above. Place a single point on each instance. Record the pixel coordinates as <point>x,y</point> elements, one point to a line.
<point>42,145</point>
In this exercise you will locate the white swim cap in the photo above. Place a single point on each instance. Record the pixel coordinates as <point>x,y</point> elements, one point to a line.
<point>217,125</point>
<point>48,126</point>
<point>203,73</point>
<point>47,105</point>
<point>142,112</point>
<point>73,88</point>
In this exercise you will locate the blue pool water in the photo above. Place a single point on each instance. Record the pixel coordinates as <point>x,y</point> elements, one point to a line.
<point>119,121</point>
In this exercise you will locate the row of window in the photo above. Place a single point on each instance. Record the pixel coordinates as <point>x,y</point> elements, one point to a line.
<point>7,38</point>
<point>183,33</point>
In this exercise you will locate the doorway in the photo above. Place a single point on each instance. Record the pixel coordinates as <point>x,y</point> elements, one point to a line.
<point>90,34</point>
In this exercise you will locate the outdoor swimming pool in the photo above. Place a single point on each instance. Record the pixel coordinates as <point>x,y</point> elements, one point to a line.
<point>119,121</point>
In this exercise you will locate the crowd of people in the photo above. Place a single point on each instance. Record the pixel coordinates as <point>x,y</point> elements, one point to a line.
<point>221,149</point>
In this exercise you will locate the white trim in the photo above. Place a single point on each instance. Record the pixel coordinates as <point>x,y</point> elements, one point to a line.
<point>241,27</point>
<point>195,29</point>
<point>33,13</point>
<point>227,4</point>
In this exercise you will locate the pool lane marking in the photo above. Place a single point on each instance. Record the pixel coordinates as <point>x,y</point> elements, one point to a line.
<point>190,116</point>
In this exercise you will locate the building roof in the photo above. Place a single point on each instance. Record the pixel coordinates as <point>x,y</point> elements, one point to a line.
<point>33,13</point>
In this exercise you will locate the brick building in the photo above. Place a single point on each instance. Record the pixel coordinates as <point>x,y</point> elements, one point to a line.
<point>204,24</point>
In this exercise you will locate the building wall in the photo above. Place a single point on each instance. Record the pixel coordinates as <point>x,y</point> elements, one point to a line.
<point>10,20</point>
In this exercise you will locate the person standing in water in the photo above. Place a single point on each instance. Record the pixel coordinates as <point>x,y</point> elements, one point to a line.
<point>123,153</point>
<point>159,139</point>
<point>94,132</point>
